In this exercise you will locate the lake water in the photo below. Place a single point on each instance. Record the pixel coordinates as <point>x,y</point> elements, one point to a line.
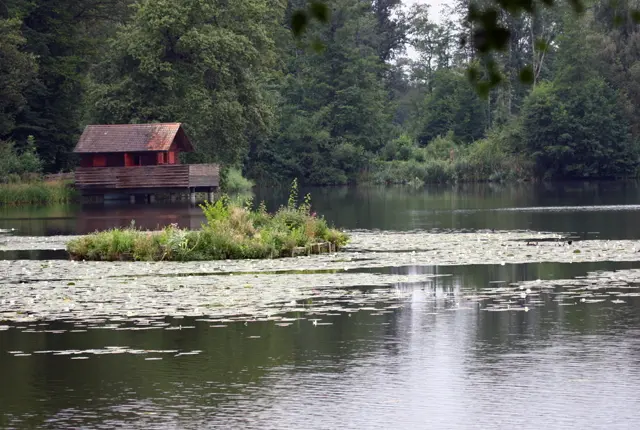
<point>606,209</point>
<point>418,355</point>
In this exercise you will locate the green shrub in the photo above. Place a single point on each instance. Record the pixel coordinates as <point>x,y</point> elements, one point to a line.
<point>233,182</point>
<point>491,159</point>
<point>21,178</point>
<point>400,148</point>
<point>440,148</point>
<point>14,162</point>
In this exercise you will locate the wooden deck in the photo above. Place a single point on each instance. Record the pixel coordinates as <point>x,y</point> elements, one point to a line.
<point>168,176</point>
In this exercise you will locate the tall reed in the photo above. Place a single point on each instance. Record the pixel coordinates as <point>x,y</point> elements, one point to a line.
<point>37,193</point>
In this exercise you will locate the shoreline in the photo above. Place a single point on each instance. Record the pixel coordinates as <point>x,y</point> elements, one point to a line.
<point>373,249</point>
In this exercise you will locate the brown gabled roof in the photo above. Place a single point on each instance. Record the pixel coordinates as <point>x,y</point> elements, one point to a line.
<point>132,138</point>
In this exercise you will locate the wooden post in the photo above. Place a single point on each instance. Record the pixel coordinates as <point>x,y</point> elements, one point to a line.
<point>192,196</point>
<point>173,197</point>
<point>132,199</point>
<point>211,195</point>
<point>152,198</point>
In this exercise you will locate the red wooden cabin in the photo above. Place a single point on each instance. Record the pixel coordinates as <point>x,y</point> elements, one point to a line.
<point>130,145</point>
<point>140,158</point>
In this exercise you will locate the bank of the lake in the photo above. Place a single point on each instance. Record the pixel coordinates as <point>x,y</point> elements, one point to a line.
<point>370,250</point>
<point>37,193</point>
<point>34,189</point>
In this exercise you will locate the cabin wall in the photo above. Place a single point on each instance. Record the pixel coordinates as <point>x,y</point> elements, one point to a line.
<point>129,159</point>
<point>101,160</point>
<point>173,154</point>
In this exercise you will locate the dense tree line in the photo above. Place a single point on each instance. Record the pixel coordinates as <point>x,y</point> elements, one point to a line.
<point>344,102</point>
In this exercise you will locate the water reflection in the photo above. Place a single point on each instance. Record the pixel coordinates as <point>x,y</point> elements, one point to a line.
<point>82,219</point>
<point>542,207</point>
<point>439,361</point>
<point>485,206</point>
<point>36,254</point>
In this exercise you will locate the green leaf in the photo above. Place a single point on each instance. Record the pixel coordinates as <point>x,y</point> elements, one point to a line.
<point>495,77</point>
<point>473,73</point>
<point>319,10</point>
<point>483,89</point>
<point>526,75</point>
<point>618,20</point>
<point>578,5</point>
<point>541,45</point>
<point>299,22</point>
<point>317,45</point>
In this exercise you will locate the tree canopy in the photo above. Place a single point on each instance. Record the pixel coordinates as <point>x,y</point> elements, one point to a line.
<point>366,90</point>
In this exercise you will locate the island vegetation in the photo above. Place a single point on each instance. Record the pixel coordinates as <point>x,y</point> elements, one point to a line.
<point>379,93</point>
<point>234,230</point>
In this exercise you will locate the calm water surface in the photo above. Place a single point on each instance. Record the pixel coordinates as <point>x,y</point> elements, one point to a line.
<point>435,362</point>
<point>605,210</point>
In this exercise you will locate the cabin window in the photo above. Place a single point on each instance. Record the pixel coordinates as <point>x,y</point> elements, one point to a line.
<point>99,161</point>
<point>86,161</point>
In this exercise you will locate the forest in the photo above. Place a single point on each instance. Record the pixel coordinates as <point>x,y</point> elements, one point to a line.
<point>382,92</point>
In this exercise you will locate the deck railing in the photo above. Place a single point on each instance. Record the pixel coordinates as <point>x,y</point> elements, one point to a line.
<point>161,176</point>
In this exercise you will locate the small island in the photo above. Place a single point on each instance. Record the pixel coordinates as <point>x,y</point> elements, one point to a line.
<point>234,230</point>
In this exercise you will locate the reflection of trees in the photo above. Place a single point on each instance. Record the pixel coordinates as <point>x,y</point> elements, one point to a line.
<point>146,217</point>
<point>469,206</point>
<point>473,206</point>
<point>66,220</point>
<point>38,221</point>
<point>35,254</point>
<point>45,384</point>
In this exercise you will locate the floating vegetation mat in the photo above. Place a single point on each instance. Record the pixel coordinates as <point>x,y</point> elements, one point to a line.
<point>613,288</point>
<point>211,296</point>
<point>372,249</point>
<point>347,281</point>
<point>129,304</point>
